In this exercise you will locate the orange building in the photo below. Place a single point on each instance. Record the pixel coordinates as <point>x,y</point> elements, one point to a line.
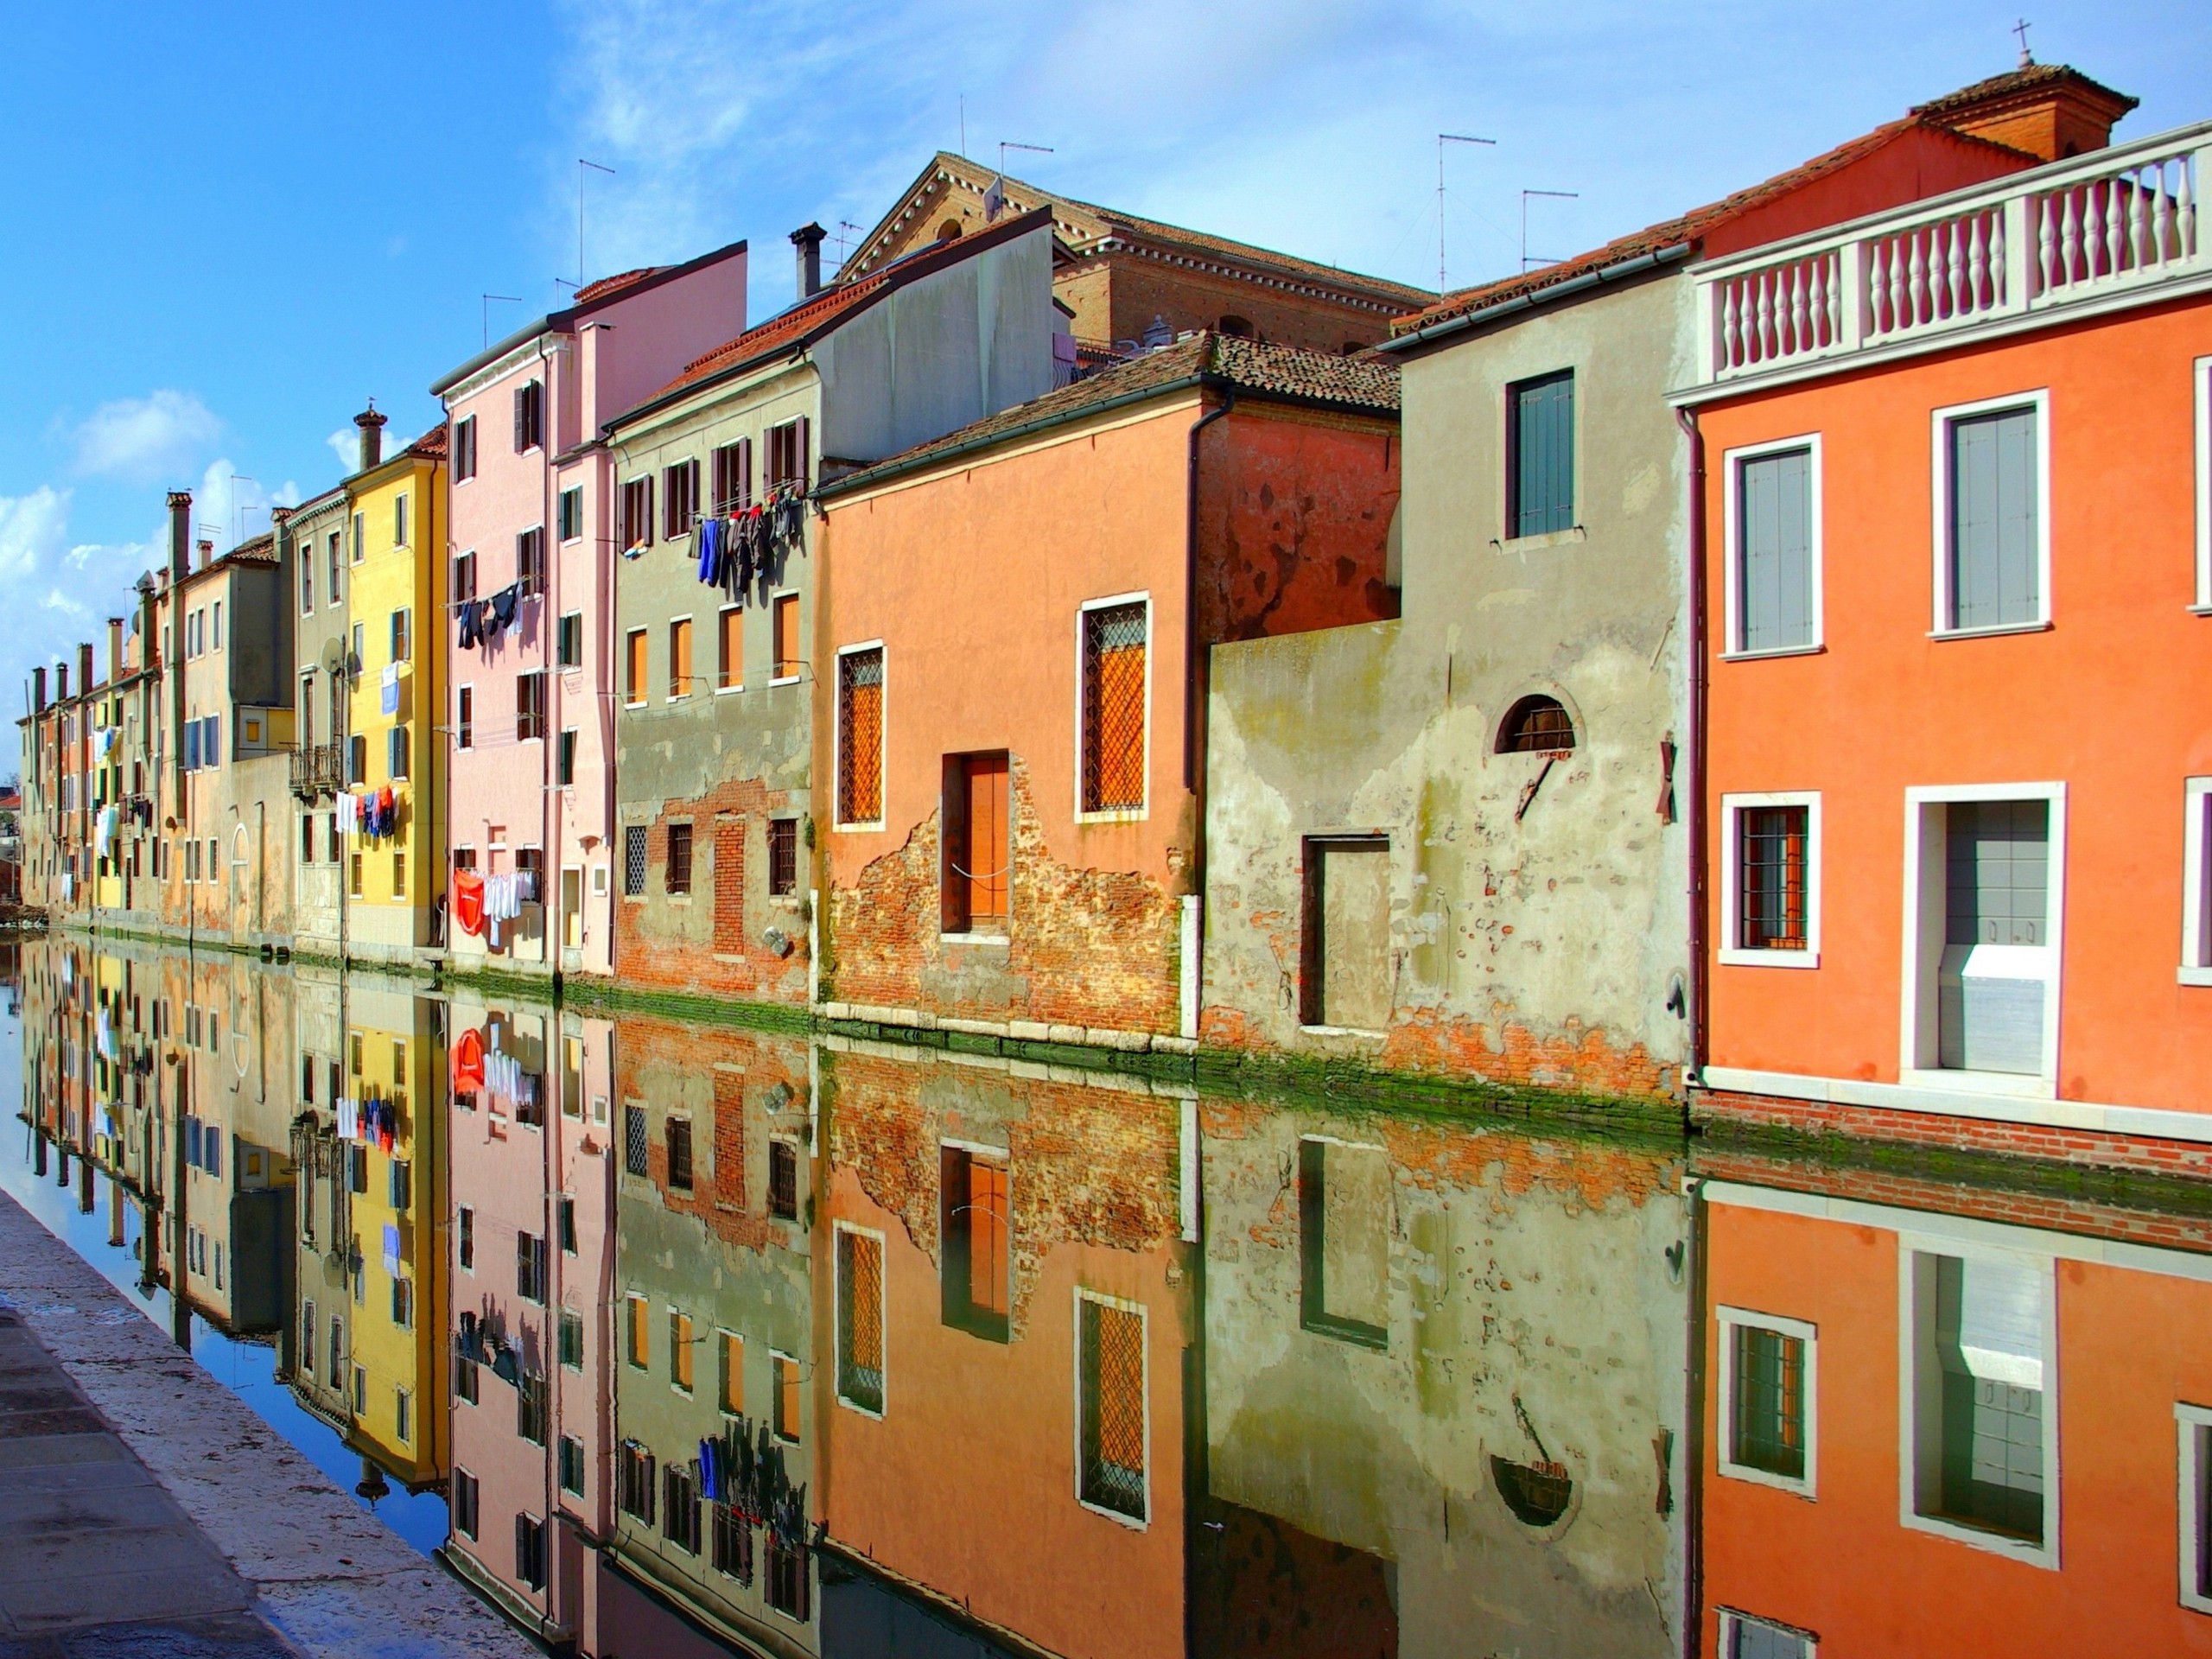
<point>1957,580</point>
<point>1013,839</point>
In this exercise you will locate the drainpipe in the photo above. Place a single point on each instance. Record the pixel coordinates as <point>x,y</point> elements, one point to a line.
<point>551,807</point>
<point>1693,815</point>
<point>1194,717</point>
<point>173,666</point>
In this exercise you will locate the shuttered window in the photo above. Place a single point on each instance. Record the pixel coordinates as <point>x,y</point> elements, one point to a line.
<point>1114,643</point>
<point>530,559</point>
<point>679,489</point>
<point>634,668</point>
<point>729,664</point>
<point>530,705</point>
<point>464,449</point>
<point>679,659</point>
<point>396,755</point>
<point>572,513</point>
<point>636,528</point>
<point>784,618</point>
<point>1540,459</point>
<point>787,453</point>
<point>1774,520</point>
<point>732,475</point>
<point>978,846</point>
<point>529,415</point>
<point>1996,549</point>
<point>570,648</point>
<point>679,858</point>
<point>860,736</point>
<point>464,578</point>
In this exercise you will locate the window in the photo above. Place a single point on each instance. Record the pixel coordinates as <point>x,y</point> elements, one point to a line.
<point>1993,557</point>
<point>1238,327</point>
<point>679,1154</point>
<point>634,1472</point>
<point>732,475</point>
<point>1344,1207</point>
<point>464,449</point>
<point>859,735</point>
<point>976,1230</point>
<point>1111,1408</point>
<point>570,650</point>
<point>360,536</point>
<point>633,675</point>
<point>679,659</point>
<point>783,1370</point>
<point>530,559</point>
<point>729,666</point>
<point>1540,455</point>
<point>306,586</point>
<point>1114,698</point>
<point>1982,967</point>
<point>978,844</point>
<point>679,495</point>
<point>679,859</point>
<point>1774,539</point>
<point>860,1319</point>
<point>733,1535</point>
<point>783,1180</point>
<point>464,578</point>
<point>336,560</point>
<point>1768,1420</point>
<point>1980,1443</point>
<point>529,415</point>
<point>530,706</point>
<point>399,520</point>
<point>530,1551</point>
<point>633,860</point>
<point>464,1237</point>
<point>401,635</point>
<point>2196,882</point>
<point>399,875</point>
<point>1771,850</point>
<point>787,454</point>
<point>306,1338</point>
<point>466,1518</point>
<point>1346,981</point>
<point>397,744</point>
<point>465,1379</point>
<point>1743,1636</point>
<point>2194,1424</point>
<point>564,773</point>
<point>530,1267</point>
<point>635,529</point>
<point>361,1391</point>
<point>572,1465</point>
<point>1536,725</point>
<point>572,513</point>
<point>679,1349</point>
<point>730,1393</point>
<point>572,1339</point>
<point>464,720</point>
<point>403,1415</point>
<point>787,1590</point>
<point>219,625</point>
<point>783,857</point>
<point>637,1323</point>
<point>784,629</point>
<point>2203,401</point>
<point>307,839</point>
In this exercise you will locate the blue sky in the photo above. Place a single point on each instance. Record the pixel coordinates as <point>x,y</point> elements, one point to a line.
<point>228,226</point>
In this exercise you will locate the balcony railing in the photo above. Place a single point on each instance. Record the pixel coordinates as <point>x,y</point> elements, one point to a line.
<point>2053,239</point>
<point>318,769</point>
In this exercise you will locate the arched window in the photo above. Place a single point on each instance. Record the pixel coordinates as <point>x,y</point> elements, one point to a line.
<point>1240,327</point>
<point>1535,726</point>
<point>948,232</point>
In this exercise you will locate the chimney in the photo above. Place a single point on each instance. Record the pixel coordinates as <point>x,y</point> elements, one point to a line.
<point>2047,109</point>
<point>114,649</point>
<point>207,554</point>
<point>371,425</point>
<point>808,240</point>
<point>38,691</point>
<point>83,668</point>
<point>179,536</point>
<point>61,683</point>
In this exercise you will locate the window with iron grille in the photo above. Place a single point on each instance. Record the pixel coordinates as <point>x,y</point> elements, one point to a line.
<point>1771,903</point>
<point>679,1154</point>
<point>529,1408</point>
<point>679,1521</point>
<point>860,1320</point>
<point>530,705</point>
<point>529,415</point>
<point>633,860</point>
<point>679,494</point>
<point>572,513</point>
<point>1537,725</point>
<point>679,858</point>
<point>732,476</point>
<point>636,528</point>
<point>1540,459</point>
<point>634,1140</point>
<point>634,1474</point>
<point>860,736</point>
<point>572,1339</point>
<point>1767,1400</point>
<point>530,1267</point>
<point>530,559</point>
<point>572,1465</point>
<point>1111,1341</point>
<point>783,857</point>
<point>1114,643</point>
<point>783,1180</point>
<point>465,1511</point>
<point>788,1581</point>
<point>530,1551</point>
<point>733,1545</point>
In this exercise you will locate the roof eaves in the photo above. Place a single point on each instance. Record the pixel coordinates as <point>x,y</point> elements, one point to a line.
<point>1530,299</point>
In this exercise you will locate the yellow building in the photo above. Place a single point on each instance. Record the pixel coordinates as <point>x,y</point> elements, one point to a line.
<point>396,881</point>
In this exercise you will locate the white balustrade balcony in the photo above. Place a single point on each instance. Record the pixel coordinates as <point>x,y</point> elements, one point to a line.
<point>2068,236</point>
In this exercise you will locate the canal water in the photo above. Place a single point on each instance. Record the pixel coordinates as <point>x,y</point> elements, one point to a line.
<point>672,1338</point>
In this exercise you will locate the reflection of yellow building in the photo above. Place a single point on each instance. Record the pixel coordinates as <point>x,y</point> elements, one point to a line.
<point>397,1368</point>
<point>395,657</point>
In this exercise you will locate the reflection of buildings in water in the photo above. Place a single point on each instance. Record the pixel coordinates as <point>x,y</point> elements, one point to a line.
<point>1945,1419</point>
<point>1444,1390</point>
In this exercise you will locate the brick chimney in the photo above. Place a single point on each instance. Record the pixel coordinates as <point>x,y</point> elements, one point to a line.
<point>207,554</point>
<point>38,691</point>
<point>180,536</point>
<point>84,667</point>
<point>371,425</point>
<point>808,240</point>
<point>2047,109</point>
<point>114,649</point>
<point>61,681</point>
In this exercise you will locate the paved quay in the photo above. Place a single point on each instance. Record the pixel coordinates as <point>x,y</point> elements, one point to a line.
<point>147,1513</point>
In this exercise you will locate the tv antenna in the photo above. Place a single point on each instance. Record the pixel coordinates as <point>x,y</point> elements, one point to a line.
<point>844,225</point>
<point>238,508</point>
<point>1442,139</point>
<point>510,299</point>
<point>1559,195</point>
<point>595,167</point>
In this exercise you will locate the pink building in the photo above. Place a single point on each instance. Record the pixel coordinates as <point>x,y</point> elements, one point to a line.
<point>531,670</point>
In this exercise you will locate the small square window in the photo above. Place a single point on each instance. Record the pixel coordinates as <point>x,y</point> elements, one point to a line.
<point>1771,855</point>
<point>1743,1636</point>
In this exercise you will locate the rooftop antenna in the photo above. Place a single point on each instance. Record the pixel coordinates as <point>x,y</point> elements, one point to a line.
<point>844,225</point>
<point>1559,195</point>
<point>238,507</point>
<point>2027,58</point>
<point>1005,144</point>
<point>1442,139</point>
<point>511,299</point>
<point>581,165</point>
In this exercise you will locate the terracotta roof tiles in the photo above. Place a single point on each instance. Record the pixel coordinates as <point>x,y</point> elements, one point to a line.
<point>614,284</point>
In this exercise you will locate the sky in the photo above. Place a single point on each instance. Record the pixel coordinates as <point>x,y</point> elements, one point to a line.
<point>227,226</point>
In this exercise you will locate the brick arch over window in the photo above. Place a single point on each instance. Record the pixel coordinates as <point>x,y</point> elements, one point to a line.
<point>1536,725</point>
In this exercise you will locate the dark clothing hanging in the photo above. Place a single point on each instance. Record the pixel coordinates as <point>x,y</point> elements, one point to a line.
<point>503,604</point>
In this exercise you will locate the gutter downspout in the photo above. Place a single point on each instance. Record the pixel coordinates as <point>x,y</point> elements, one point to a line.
<point>1694,819</point>
<point>549,814</point>
<point>1191,934</point>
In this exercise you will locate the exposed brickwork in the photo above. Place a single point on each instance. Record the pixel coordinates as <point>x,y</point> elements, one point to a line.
<point>729,886</point>
<point>714,943</point>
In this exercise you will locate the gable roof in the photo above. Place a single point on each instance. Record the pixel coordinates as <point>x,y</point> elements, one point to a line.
<point>1088,228</point>
<point>1363,385</point>
<point>2029,79</point>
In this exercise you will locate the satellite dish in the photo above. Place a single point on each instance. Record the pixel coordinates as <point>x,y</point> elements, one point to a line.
<point>334,656</point>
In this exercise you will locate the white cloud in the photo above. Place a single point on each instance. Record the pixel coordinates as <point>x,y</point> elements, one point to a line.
<point>146,440</point>
<point>33,530</point>
<point>227,508</point>
<point>346,444</point>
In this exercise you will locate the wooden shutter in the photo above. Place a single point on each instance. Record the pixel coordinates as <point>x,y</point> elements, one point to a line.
<point>1996,555</point>
<point>730,664</point>
<point>953,837</point>
<point>988,840</point>
<point>521,395</point>
<point>802,448</point>
<point>1774,575</point>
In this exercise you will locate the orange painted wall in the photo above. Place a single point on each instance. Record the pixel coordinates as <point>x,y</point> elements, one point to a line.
<point>2110,700</point>
<point>1919,162</point>
<point>2130,1344</point>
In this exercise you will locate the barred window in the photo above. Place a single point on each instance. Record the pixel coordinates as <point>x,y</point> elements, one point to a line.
<point>1111,1356</point>
<point>783,857</point>
<point>1114,708</point>
<point>679,858</point>
<point>860,736</point>
<point>633,860</point>
<point>679,1521</point>
<point>788,1580</point>
<point>733,1544</point>
<point>634,1481</point>
<point>1536,725</point>
<point>1771,902</point>
<point>783,1180</point>
<point>634,1140</point>
<point>1768,1405</point>
<point>860,1320</point>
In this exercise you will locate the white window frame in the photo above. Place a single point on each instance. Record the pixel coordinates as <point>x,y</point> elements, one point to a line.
<point>1911,1247</point>
<point>2193,1473</point>
<point>1734,953</point>
<point>859,826</point>
<point>837,1305</point>
<point>566,541</point>
<point>464,432</point>
<point>2202,400</point>
<point>1730,1318</point>
<point>1732,461</point>
<point>1732,1621</point>
<point>1126,814</point>
<point>1925,917</point>
<point>1075,1347</point>
<point>1941,422</point>
<point>464,733</point>
<point>2195,882</point>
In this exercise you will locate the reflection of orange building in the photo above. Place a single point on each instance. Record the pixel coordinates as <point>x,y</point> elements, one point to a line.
<point>1019,1242</point>
<point>1953,1433</point>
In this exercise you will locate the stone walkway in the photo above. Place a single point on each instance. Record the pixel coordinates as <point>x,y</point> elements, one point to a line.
<point>147,1513</point>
